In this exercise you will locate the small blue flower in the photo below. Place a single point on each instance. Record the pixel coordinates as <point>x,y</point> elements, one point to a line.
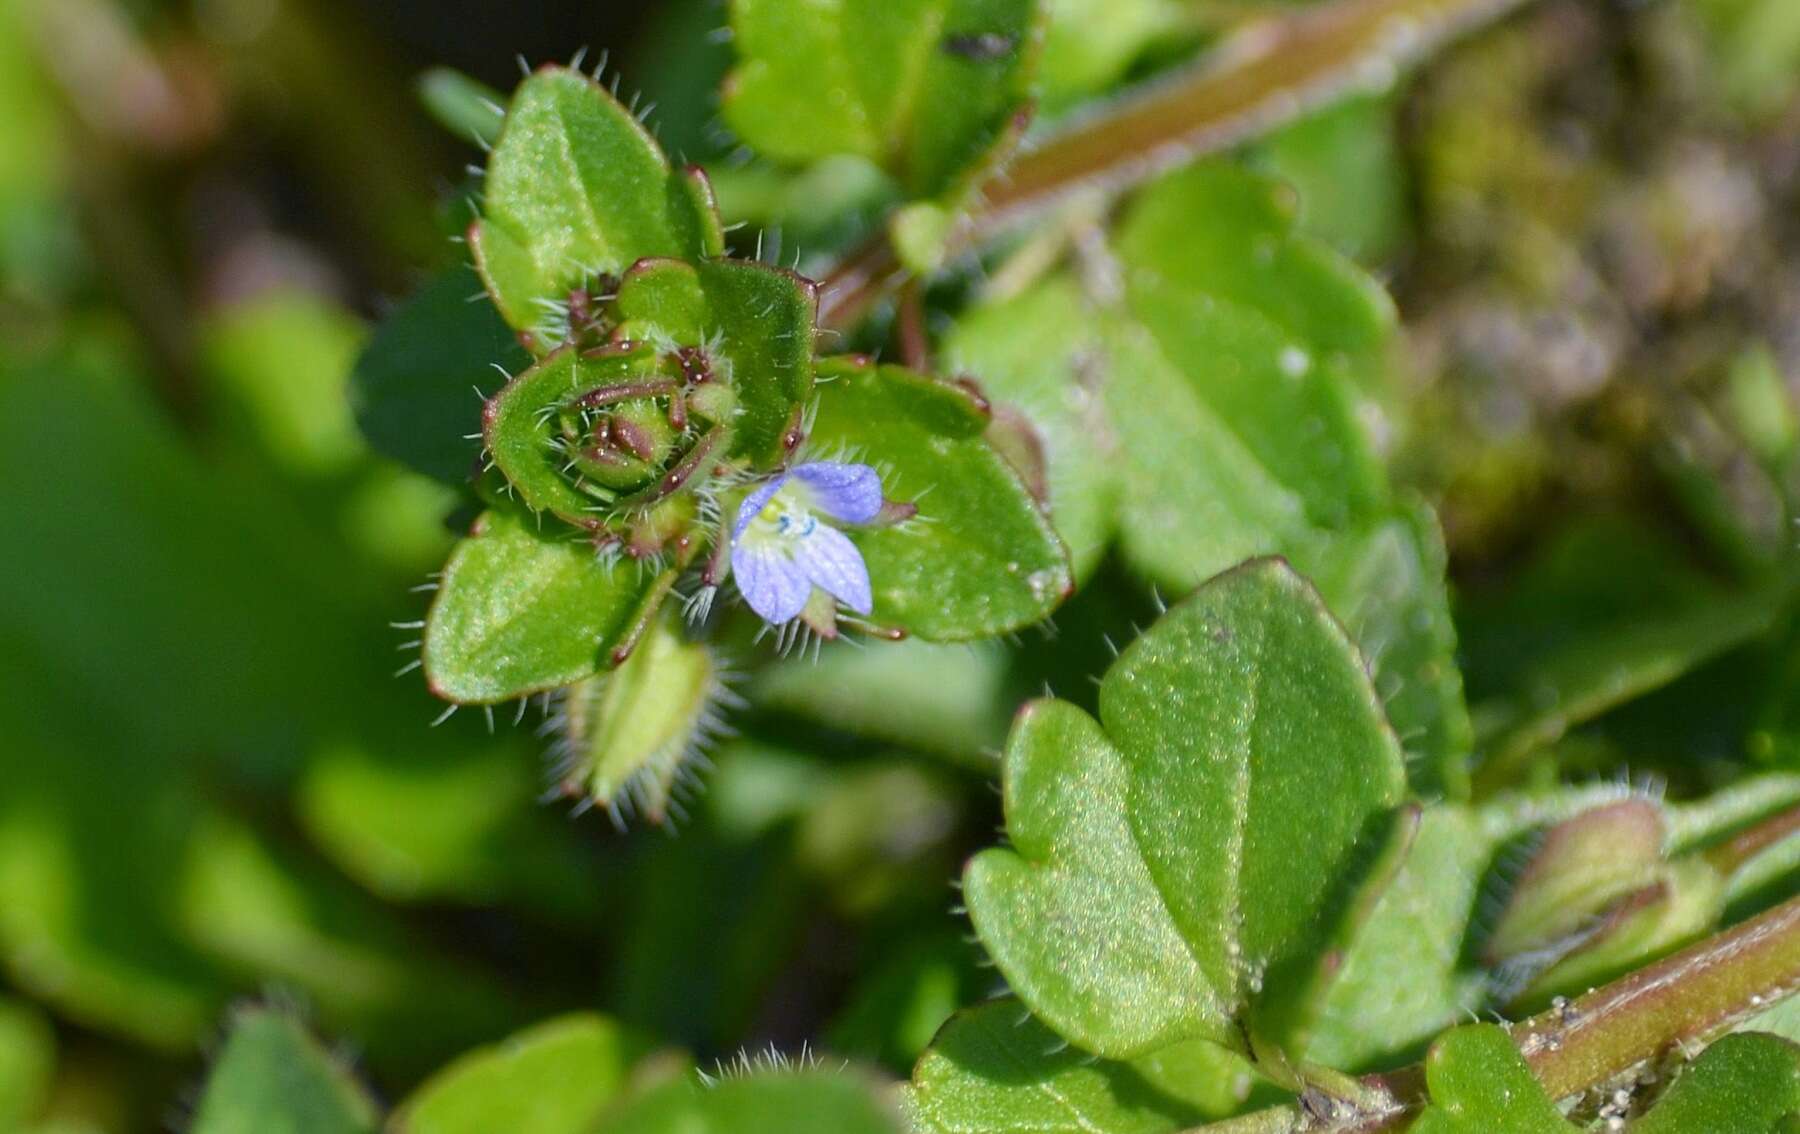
<point>781,550</point>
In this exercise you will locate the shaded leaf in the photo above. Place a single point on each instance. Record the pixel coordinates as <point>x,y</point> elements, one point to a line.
<point>794,1101</point>
<point>996,1067</point>
<point>558,1077</point>
<point>417,386</point>
<point>274,1078</point>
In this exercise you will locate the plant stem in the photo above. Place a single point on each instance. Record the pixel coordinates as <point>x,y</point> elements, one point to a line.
<point>1684,999</point>
<point>1266,75</point>
<point>1687,998</point>
<point>1730,855</point>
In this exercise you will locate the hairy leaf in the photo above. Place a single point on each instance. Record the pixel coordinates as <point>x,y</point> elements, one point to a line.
<point>520,611</point>
<point>996,1067</point>
<point>577,189</point>
<point>1155,882</point>
<point>794,1101</point>
<point>274,1078</point>
<point>980,557</point>
<point>755,320</point>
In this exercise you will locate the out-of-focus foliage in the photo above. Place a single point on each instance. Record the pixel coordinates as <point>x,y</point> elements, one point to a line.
<point>1499,357</point>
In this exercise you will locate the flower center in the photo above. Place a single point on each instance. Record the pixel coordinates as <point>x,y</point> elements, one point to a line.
<point>785,519</point>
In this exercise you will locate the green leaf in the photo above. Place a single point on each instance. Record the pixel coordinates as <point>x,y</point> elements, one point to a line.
<point>273,1078</point>
<point>556,1078</point>
<point>753,1098</point>
<point>1480,1084</point>
<point>280,361</point>
<point>927,89</point>
<point>1218,229</point>
<point>1346,165</point>
<point>468,108</point>
<point>950,700</point>
<point>979,558</point>
<point>576,189</point>
<point>756,323</point>
<point>1199,417</point>
<point>521,427</point>
<point>264,912</point>
<point>1745,1083</point>
<point>27,1062</point>
<point>1574,635</point>
<point>1386,583</point>
<point>624,736</point>
<point>520,612</point>
<point>437,819</point>
<point>1035,354</point>
<point>1124,916</point>
<point>1090,44</point>
<point>418,385</point>
<point>1411,970</point>
<point>995,1067</point>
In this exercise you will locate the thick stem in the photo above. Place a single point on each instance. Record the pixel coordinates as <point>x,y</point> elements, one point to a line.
<point>1687,998</point>
<point>1268,74</point>
<point>1684,999</point>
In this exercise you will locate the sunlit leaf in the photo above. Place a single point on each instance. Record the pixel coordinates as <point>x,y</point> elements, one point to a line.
<point>923,88</point>
<point>577,189</point>
<point>1123,916</point>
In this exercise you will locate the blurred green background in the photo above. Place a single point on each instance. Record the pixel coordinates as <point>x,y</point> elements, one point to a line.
<point>214,784</point>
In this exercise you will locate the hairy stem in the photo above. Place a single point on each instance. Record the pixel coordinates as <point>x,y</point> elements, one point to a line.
<point>1268,74</point>
<point>1682,1000</point>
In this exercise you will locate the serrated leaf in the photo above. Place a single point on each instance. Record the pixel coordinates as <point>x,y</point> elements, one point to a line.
<point>924,88</point>
<point>274,1078</point>
<point>520,611</point>
<point>1123,916</point>
<point>756,321</point>
<point>1745,1083</point>
<point>577,188</point>
<point>789,1101</point>
<point>1479,1084</point>
<point>996,1067</point>
<point>979,558</point>
<point>416,386</point>
<point>558,1077</point>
